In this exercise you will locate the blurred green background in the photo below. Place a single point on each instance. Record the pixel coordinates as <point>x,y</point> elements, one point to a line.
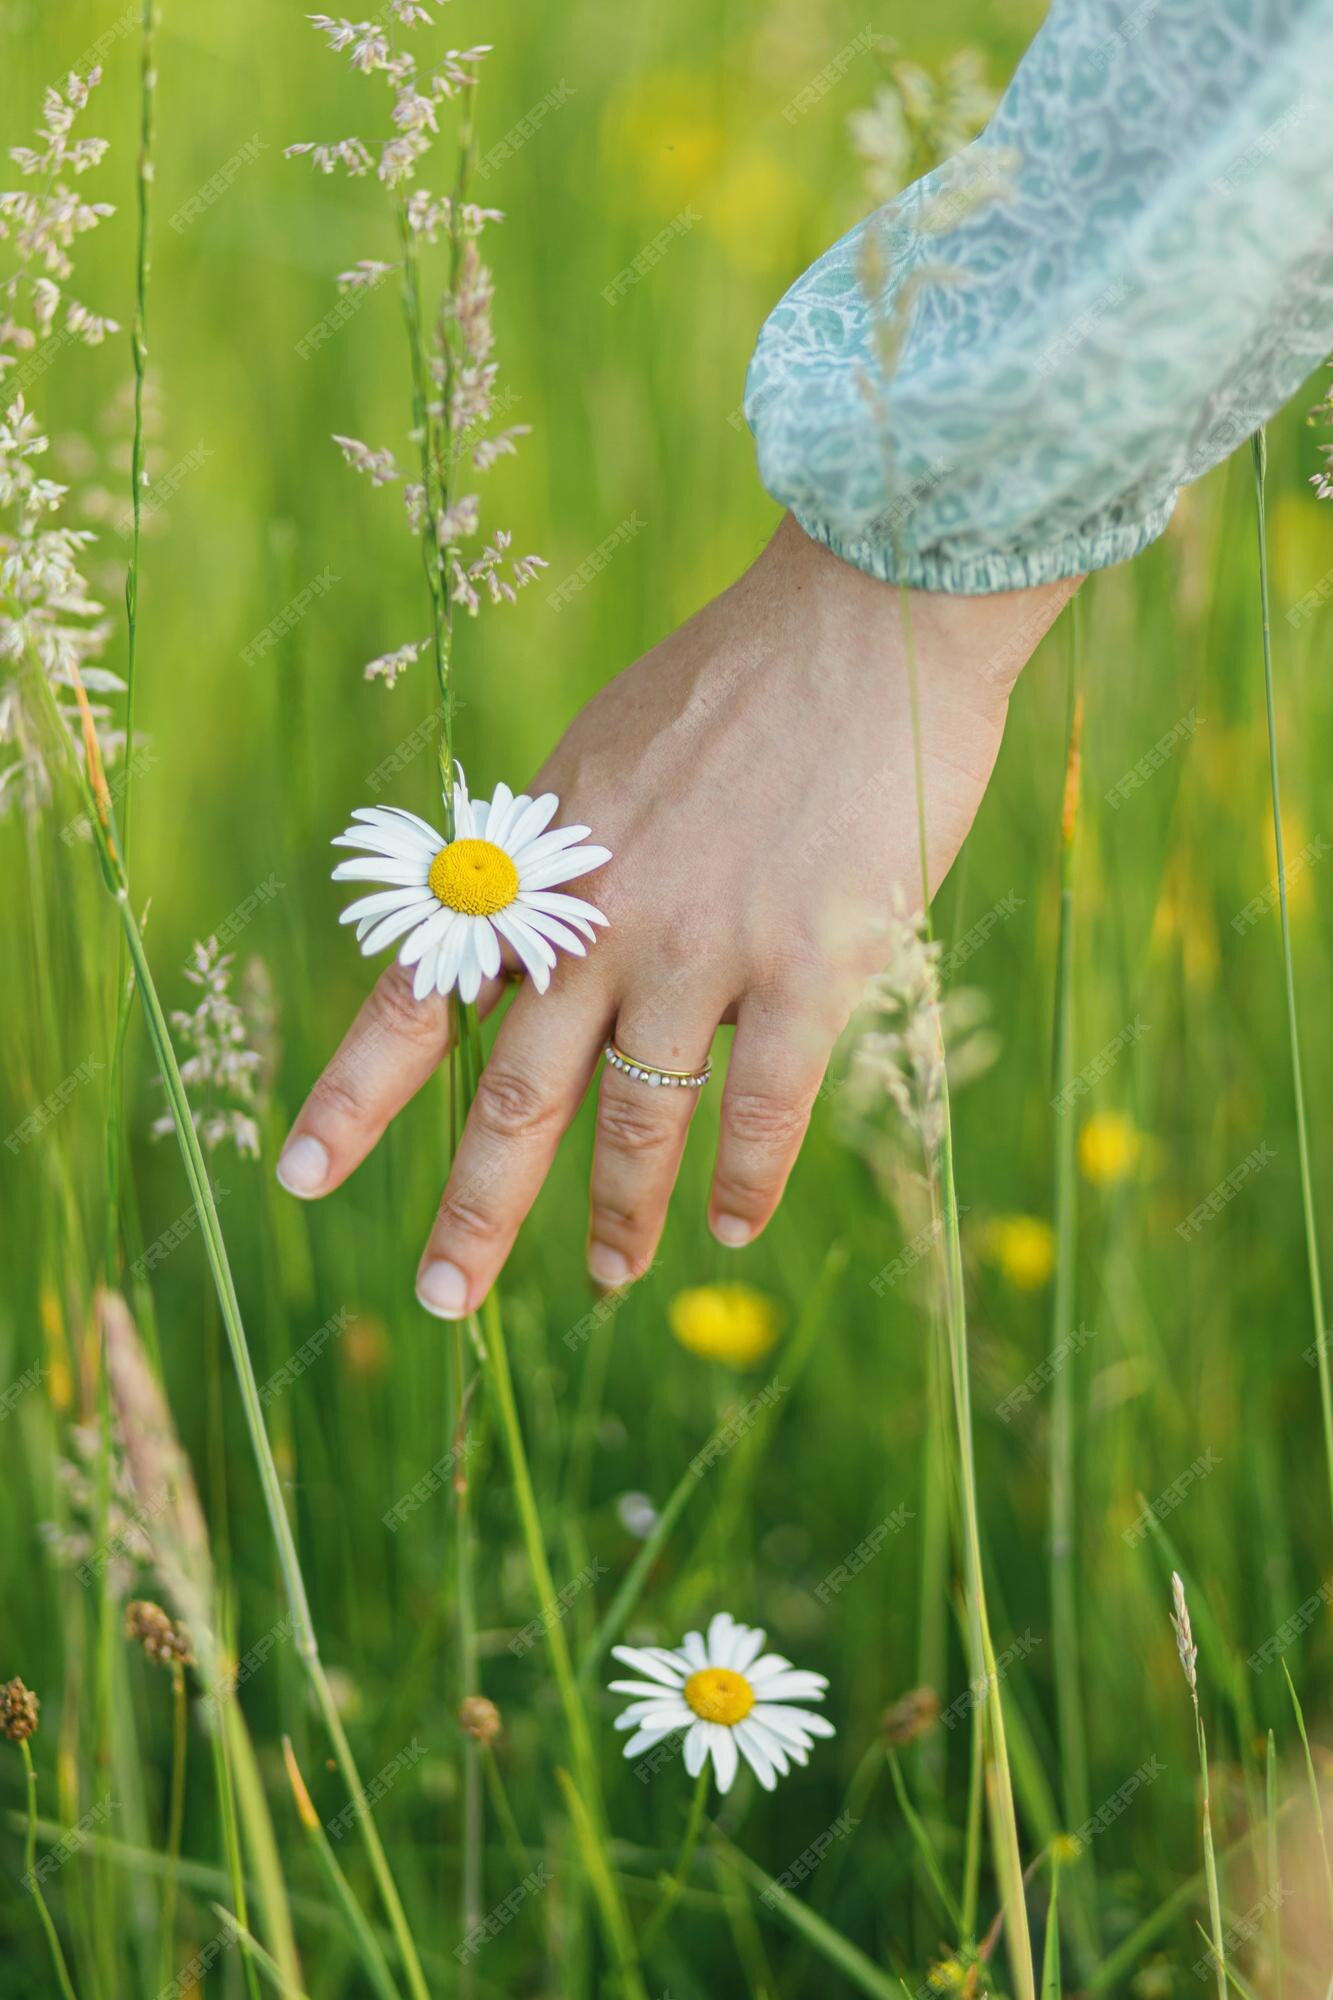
<point>1199,1345</point>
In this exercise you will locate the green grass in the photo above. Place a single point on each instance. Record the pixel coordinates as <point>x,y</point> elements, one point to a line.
<point>1199,1349</point>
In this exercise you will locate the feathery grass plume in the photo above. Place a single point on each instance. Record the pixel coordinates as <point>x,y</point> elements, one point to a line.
<point>164,1486</point>
<point>1322,413</point>
<point>49,621</point>
<point>1189,1662</point>
<point>94,1537</point>
<point>163,1483</point>
<point>916,120</point>
<point>454,369</point>
<point>221,1064</point>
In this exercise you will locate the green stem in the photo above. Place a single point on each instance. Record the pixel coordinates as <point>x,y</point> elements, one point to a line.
<point>940,1172</point>
<point>139,351</point>
<point>1289,978</point>
<point>29,1876</point>
<point>1064,1601</point>
<point>1210,1863</point>
<point>589,1795</point>
<point>675,1882</point>
<point>174,1823</point>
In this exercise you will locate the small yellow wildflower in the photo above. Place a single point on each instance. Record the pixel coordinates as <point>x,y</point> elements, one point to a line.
<point>727,1323</point>
<point>1022,1249</point>
<point>1066,1848</point>
<point>1110,1147</point>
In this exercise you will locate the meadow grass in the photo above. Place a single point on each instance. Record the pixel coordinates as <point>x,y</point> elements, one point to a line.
<point>1188,1431</point>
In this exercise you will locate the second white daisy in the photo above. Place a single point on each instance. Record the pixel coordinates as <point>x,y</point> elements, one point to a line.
<point>452,902</point>
<point>729,1697</point>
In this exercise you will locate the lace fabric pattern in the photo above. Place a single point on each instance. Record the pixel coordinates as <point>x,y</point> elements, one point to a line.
<point>1157,282</point>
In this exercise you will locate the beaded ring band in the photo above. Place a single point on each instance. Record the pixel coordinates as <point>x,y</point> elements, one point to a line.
<point>642,1072</point>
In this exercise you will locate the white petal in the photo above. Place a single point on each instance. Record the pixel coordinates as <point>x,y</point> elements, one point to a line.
<point>379,904</point>
<point>565,867</point>
<point>402,843</point>
<point>432,930</point>
<point>424,978</point>
<point>571,909</point>
<point>547,844</point>
<point>536,815</point>
<point>791,1686</point>
<point>747,1649</point>
<point>645,1688</point>
<point>391,927</point>
<point>469,968</point>
<point>763,1670</point>
<point>723,1745</point>
<point>478,821</point>
<point>777,1753</point>
<point>756,1756</point>
<point>692,1646</point>
<point>645,1740</point>
<point>696,1748</point>
<point>378,815</point>
<point>721,1631</point>
<point>371,868</point>
<point>792,1721</point>
<point>669,1714</point>
<point>546,927</point>
<point>501,815</point>
<point>655,1663</point>
<point>487,946</point>
<point>452,946</point>
<point>536,954</point>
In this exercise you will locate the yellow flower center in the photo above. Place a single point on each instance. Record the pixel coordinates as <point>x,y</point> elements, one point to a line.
<point>474,876</point>
<point>718,1695</point>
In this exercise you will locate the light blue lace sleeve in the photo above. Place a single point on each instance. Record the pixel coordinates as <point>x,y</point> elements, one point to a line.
<point>1158,282</point>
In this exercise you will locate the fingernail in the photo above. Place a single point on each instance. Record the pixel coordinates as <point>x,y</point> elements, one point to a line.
<point>730,1229</point>
<point>442,1290</point>
<point>304,1166</point>
<point>608,1266</point>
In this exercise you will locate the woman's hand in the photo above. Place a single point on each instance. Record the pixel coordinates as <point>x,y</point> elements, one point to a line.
<point>753,777</point>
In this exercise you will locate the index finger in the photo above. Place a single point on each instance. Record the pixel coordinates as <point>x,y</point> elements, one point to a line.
<point>395,1044</point>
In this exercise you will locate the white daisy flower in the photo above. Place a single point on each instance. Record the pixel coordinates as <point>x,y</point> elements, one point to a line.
<point>456,899</point>
<point>729,1697</point>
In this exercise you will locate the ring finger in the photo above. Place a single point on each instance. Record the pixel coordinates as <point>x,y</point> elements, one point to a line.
<point>641,1128</point>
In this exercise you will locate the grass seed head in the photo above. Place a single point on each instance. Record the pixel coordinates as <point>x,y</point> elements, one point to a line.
<point>18,1711</point>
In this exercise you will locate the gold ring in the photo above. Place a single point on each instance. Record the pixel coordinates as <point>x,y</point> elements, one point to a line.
<point>642,1072</point>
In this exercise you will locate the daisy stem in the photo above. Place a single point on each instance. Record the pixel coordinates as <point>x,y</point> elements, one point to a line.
<point>30,1877</point>
<point>1260,452</point>
<point>97,800</point>
<point>587,1803</point>
<point>675,1882</point>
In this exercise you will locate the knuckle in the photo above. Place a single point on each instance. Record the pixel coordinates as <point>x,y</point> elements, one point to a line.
<point>464,1212</point>
<point>337,1095</point>
<point>509,1103</point>
<point>631,1127</point>
<point>764,1119</point>
<point>393,1011</point>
